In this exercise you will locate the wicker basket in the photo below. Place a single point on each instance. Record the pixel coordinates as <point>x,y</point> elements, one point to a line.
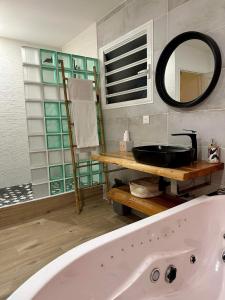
<point>146,187</point>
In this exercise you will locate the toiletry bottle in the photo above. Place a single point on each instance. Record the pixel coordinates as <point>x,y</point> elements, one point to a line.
<point>126,145</point>
<point>213,153</point>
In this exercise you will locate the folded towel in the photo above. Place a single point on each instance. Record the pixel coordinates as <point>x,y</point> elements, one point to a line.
<point>85,123</point>
<point>80,89</point>
<point>83,111</point>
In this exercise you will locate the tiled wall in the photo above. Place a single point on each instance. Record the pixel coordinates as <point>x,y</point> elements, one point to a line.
<point>171,17</point>
<point>14,156</point>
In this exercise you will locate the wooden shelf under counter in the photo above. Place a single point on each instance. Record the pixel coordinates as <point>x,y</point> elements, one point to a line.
<point>163,202</point>
<point>148,206</point>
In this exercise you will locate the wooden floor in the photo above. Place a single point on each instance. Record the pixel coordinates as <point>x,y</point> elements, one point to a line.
<point>26,247</point>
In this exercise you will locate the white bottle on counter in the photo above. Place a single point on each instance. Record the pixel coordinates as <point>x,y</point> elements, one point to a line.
<point>126,145</point>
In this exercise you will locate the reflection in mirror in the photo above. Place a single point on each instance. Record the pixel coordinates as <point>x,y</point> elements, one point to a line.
<point>189,70</point>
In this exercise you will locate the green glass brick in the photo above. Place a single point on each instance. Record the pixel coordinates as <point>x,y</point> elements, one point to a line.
<point>80,75</point>
<point>96,178</point>
<point>91,77</point>
<point>53,125</point>
<point>95,167</point>
<point>54,141</point>
<point>68,170</point>
<point>69,184</point>
<point>84,181</point>
<point>66,58</point>
<point>48,58</point>
<point>63,110</point>
<point>52,109</point>
<point>66,141</point>
<point>91,62</point>
<point>68,74</point>
<point>49,76</point>
<point>84,167</point>
<point>55,172</point>
<point>79,63</point>
<point>56,187</point>
<point>65,125</point>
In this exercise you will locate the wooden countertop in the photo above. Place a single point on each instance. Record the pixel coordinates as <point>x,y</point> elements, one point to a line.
<point>126,160</point>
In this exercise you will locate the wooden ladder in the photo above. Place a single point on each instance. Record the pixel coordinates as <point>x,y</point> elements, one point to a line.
<point>73,148</point>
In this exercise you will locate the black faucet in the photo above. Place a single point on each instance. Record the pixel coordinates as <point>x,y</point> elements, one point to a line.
<point>192,135</point>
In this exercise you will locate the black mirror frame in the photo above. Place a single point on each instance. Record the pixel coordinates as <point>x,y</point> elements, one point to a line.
<point>163,60</point>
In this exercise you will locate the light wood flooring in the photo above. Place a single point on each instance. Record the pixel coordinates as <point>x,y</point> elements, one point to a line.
<point>28,246</point>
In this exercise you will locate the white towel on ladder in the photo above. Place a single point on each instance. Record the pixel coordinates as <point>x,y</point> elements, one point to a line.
<point>80,89</point>
<point>83,112</point>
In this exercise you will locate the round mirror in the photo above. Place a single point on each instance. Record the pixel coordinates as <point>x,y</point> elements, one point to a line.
<point>188,69</point>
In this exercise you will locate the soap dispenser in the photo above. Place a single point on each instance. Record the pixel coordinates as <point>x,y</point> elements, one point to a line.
<point>213,153</point>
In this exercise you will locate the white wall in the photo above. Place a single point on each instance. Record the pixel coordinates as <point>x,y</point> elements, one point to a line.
<point>193,59</point>
<point>84,44</point>
<point>14,150</point>
<point>14,156</point>
<point>170,76</point>
<point>197,58</point>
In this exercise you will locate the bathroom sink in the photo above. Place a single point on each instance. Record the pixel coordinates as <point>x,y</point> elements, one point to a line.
<point>164,156</point>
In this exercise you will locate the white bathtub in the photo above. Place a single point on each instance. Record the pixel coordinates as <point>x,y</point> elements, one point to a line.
<point>118,265</point>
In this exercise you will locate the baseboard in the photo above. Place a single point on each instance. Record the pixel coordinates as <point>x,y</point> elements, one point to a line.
<point>14,214</point>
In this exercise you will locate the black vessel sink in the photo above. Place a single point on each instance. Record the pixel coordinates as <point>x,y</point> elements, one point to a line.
<point>164,156</point>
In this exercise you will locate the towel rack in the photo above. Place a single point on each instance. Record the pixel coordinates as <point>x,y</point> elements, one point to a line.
<point>78,199</point>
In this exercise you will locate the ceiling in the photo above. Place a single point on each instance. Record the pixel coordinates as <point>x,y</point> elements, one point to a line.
<point>50,22</point>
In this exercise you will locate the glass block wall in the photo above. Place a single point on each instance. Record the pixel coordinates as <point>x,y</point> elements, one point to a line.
<point>50,158</point>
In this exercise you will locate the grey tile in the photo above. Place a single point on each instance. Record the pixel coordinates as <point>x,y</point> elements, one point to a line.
<point>218,34</point>
<point>139,12</point>
<point>153,133</point>
<point>128,17</point>
<point>208,124</point>
<point>207,118</point>
<point>114,128</point>
<point>111,29</point>
<point>201,15</point>
<point>160,33</point>
<point>174,3</point>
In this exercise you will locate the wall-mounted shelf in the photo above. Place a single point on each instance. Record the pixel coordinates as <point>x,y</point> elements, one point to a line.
<point>157,204</point>
<point>126,160</point>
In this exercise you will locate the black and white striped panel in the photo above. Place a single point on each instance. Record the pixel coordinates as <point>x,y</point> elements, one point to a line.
<point>126,70</point>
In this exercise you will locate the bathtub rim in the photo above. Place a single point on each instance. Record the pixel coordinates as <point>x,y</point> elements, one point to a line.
<point>42,277</point>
